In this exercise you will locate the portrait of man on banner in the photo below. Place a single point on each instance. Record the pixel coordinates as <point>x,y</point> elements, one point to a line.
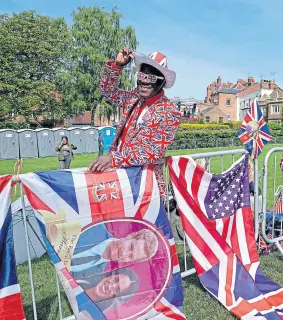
<point>115,263</point>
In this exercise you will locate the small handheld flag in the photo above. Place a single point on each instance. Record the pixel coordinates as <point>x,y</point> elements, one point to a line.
<point>254,132</point>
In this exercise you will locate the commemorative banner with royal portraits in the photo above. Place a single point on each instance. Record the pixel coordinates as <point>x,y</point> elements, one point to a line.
<point>110,241</point>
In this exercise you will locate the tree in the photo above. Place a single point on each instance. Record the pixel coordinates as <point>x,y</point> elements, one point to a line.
<point>103,110</point>
<point>97,37</point>
<point>32,49</point>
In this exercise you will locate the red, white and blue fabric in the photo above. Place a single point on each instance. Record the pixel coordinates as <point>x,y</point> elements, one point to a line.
<point>148,133</point>
<point>254,132</point>
<point>130,193</point>
<point>278,206</point>
<point>11,305</point>
<point>281,164</point>
<point>223,245</point>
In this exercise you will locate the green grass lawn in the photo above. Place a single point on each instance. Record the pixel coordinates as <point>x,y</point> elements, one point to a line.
<point>51,163</point>
<point>198,304</point>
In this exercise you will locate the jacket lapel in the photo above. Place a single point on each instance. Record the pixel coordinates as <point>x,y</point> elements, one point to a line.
<point>124,119</point>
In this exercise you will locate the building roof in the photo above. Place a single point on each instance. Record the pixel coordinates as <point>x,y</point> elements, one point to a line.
<point>248,90</point>
<point>231,91</point>
<point>277,93</point>
<point>212,111</point>
<point>207,110</point>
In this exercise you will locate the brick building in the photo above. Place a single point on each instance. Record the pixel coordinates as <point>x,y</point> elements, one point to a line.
<point>235,99</point>
<point>85,120</point>
<point>255,90</point>
<point>213,114</point>
<point>272,105</point>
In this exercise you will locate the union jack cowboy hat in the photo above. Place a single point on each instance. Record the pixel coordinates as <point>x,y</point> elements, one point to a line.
<point>158,61</point>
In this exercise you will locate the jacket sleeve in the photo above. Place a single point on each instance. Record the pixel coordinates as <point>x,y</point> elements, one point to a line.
<point>57,148</point>
<point>108,84</point>
<point>150,144</point>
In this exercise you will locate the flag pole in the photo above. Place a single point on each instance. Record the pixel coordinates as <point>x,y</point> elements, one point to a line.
<point>256,195</point>
<point>28,252</point>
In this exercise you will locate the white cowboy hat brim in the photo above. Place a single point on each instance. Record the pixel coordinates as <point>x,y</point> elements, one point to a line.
<point>170,76</point>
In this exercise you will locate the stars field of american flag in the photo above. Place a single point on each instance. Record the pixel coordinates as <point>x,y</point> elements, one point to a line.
<point>222,242</point>
<point>254,132</point>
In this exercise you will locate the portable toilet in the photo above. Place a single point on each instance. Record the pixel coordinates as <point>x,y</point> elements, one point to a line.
<point>9,144</point>
<point>77,138</point>
<point>91,139</point>
<point>58,133</point>
<point>28,143</point>
<point>108,135</point>
<point>45,142</point>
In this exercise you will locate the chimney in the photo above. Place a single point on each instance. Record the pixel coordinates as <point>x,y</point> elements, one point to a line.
<point>219,80</point>
<point>271,84</point>
<point>250,81</point>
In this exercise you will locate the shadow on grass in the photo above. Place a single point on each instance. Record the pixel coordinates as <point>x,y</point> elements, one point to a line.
<point>44,307</point>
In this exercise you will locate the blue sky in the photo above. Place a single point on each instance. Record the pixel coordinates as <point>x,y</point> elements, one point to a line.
<point>201,38</point>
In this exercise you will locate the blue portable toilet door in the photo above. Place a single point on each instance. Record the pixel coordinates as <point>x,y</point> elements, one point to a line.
<point>77,138</point>
<point>28,144</point>
<point>107,135</point>
<point>91,143</point>
<point>46,144</point>
<point>9,144</point>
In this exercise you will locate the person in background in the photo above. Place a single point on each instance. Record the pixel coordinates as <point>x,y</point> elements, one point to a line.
<point>65,153</point>
<point>100,145</point>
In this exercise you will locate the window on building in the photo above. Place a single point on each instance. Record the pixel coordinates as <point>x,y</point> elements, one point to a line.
<point>264,111</point>
<point>220,120</point>
<point>228,116</point>
<point>275,109</point>
<point>207,119</point>
<point>228,102</point>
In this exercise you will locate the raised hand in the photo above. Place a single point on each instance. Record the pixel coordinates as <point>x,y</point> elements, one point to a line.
<point>124,57</point>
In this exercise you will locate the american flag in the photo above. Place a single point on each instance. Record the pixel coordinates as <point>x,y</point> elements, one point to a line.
<point>254,132</point>
<point>264,248</point>
<point>11,305</point>
<point>223,247</point>
<point>278,206</point>
<point>281,164</point>
<point>88,199</point>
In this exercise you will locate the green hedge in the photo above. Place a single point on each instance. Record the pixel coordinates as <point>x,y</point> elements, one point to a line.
<point>210,139</point>
<point>202,126</point>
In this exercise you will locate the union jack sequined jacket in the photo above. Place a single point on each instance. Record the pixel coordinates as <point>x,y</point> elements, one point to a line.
<point>146,140</point>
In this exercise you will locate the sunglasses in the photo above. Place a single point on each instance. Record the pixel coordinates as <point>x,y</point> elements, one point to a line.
<point>148,78</point>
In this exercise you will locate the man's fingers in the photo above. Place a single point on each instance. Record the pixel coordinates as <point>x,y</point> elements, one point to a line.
<point>99,167</point>
<point>90,166</point>
<point>93,165</point>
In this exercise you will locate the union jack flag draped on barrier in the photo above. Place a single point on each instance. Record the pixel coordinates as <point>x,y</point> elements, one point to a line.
<point>254,132</point>
<point>218,223</point>
<point>11,306</point>
<point>110,241</point>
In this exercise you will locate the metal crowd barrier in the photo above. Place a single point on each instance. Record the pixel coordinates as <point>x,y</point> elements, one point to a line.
<point>186,271</point>
<point>207,157</point>
<point>277,179</point>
